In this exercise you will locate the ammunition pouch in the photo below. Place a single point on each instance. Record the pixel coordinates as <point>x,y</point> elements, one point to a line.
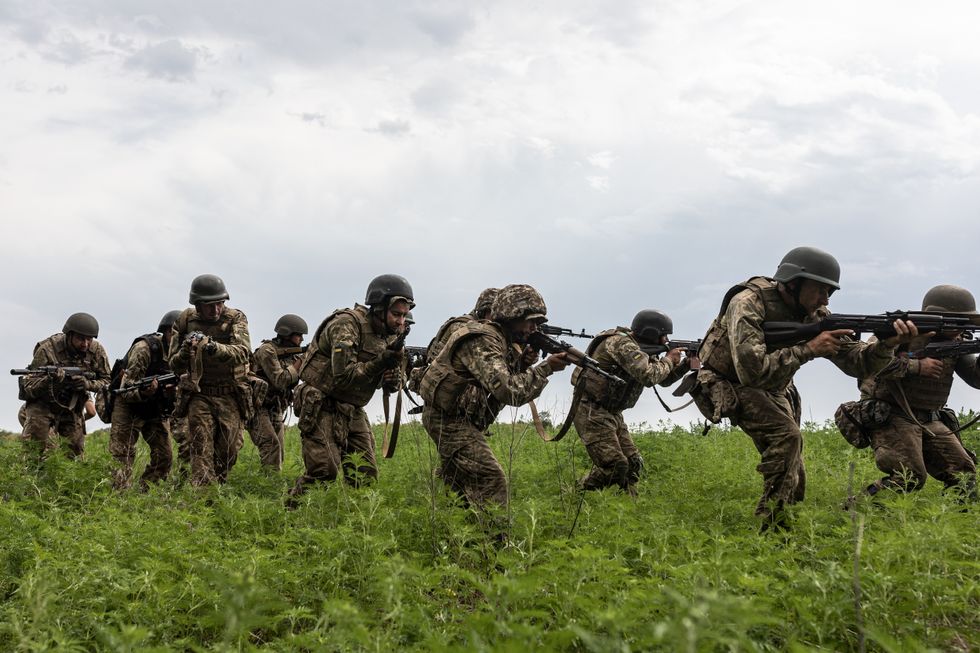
<point>949,419</point>
<point>856,419</point>
<point>713,394</point>
<point>308,402</point>
<point>245,401</point>
<point>104,402</point>
<point>260,392</point>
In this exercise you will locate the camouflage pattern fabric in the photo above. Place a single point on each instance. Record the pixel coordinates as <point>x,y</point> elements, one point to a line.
<point>181,436</point>
<point>341,430</point>
<point>762,379</point>
<point>267,432</point>
<point>216,436</point>
<point>52,410</point>
<point>266,429</point>
<point>468,467</point>
<point>132,416</point>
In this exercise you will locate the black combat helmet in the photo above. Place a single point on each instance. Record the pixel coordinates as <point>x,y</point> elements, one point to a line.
<point>949,299</point>
<point>167,321</point>
<point>387,288</point>
<point>650,325</point>
<point>809,263</point>
<point>289,324</point>
<point>207,288</point>
<point>83,324</point>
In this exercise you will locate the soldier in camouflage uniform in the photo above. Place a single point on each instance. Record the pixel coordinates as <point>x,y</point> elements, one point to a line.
<point>56,404</point>
<point>599,413</point>
<point>351,354</point>
<point>277,363</point>
<point>477,357</point>
<point>214,393</point>
<point>143,411</point>
<point>918,437</point>
<point>751,383</point>
<point>182,438</point>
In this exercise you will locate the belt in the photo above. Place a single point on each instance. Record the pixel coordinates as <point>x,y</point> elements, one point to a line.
<point>218,390</point>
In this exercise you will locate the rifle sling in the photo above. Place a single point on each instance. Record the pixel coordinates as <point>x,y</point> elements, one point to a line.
<point>388,443</point>
<point>899,394</point>
<point>538,424</point>
<point>668,408</point>
<point>567,424</point>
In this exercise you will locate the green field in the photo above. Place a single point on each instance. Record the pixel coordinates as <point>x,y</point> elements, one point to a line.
<point>399,566</point>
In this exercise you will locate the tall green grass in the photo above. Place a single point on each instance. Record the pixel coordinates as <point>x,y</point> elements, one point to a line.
<point>401,565</point>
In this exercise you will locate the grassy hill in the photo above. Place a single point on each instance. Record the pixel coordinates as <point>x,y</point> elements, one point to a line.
<point>399,566</point>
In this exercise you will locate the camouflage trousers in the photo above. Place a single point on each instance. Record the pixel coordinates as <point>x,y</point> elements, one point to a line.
<point>216,435</point>
<point>909,454</point>
<point>181,436</point>
<point>43,424</point>
<point>340,431</point>
<point>773,423</point>
<point>266,431</point>
<point>468,465</point>
<point>127,426</point>
<point>615,458</point>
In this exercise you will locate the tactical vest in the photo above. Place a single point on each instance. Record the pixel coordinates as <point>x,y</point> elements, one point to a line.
<point>922,393</point>
<point>216,373</point>
<point>613,397</point>
<point>153,406</point>
<point>716,352</point>
<point>439,341</point>
<point>444,387</point>
<point>317,369</point>
<point>63,396</point>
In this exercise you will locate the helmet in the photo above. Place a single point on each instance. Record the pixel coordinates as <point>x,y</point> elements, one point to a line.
<point>83,324</point>
<point>207,288</point>
<point>484,302</point>
<point>409,318</point>
<point>289,324</point>
<point>387,288</point>
<point>949,299</point>
<point>649,325</point>
<point>518,301</point>
<point>809,263</point>
<point>167,321</point>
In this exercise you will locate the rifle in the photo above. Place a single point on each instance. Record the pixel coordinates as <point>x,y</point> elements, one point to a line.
<point>947,349</point>
<point>52,370</point>
<point>416,356</point>
<point>689,347</point>
<point>165,380</point>
<point>786,334</point>
<point>551,330</point>
<point>548,345</point>
<point>289,351</point>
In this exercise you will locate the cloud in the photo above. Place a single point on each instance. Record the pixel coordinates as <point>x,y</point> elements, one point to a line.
<point>170,60</point>
<point>391,127</point>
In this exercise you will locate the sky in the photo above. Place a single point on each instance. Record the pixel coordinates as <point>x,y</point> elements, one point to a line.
<point>617,156</point>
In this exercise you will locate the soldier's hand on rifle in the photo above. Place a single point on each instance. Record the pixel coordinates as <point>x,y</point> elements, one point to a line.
<point>59,376</point>
<point>529,356</point>
<point>557,362</point>
<point>78,383</point>
<point>391,358</point>
<point>930,368</point>
<point>905,331</point>
<point>828,343</point>
<point>151,389</point>
<point>674,356</point>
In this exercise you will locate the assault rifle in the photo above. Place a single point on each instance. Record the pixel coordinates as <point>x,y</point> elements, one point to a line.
<point>52,370</point>
<point>416,356</point>
<point>689,347</point>
<point>165,380</point>
<point>289,351</point>
<point>552,330</point>
<point>786,334</point>
<point>948,349</point>
<point>548,345</point>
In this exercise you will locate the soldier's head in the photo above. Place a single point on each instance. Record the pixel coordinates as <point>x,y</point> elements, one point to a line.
<point>291,328</point>
<point>519,309</point>
<point>208,294</point>
<point>947,298</point>
<point>652,327</point>
<point>80,330</point>
<point>390,298</point>
<point>167,322</point>
<point>807,277</point>
<point>484,303</point>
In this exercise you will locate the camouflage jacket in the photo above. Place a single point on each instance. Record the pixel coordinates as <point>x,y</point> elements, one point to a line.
<point>735,346</point>
<point>56,350</point>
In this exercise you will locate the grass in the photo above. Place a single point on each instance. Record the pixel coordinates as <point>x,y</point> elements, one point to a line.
<point>402,566</point>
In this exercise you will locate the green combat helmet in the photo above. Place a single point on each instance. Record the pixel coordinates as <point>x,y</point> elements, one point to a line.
<point>518,302</point>
<point>484,302</point>
<point>949,299</point>
<point>167,321</point>
<point>409,318</point>
<point>82,324</point>
<point>387,288</point>
<point>809,263</point>
<point>289,324</point>
<point>207,288</point>
<point>650,326</point>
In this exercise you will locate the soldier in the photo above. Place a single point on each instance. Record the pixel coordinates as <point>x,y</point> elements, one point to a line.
<point>210,347</point>
<point>145,411</point>
<point>277,363</point>
<point>917,435</point>
<point>599,414</point>
<point>352,352</point>
<point>477,356</point>
<point>182,438</point>
<point>56,403</point>
<point>752,383</point>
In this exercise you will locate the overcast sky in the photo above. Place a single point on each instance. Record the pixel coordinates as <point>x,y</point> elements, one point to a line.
<point>617,156</point>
